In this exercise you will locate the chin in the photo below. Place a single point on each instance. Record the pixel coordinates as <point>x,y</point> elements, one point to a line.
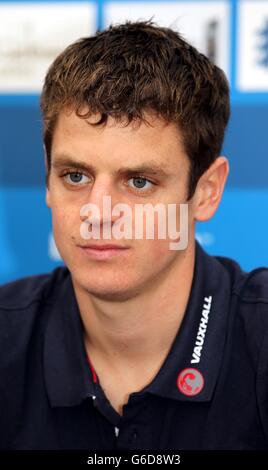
<point>110,293</point>
<point>110,289</point>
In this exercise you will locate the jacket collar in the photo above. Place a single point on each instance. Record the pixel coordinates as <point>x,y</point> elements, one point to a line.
<point>192,366</point>
<point>66,366</point>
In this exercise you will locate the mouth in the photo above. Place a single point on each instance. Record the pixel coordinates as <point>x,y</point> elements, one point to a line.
<point>103,252</point>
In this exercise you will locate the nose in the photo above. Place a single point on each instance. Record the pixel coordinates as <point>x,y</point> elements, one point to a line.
<point>97,210</point>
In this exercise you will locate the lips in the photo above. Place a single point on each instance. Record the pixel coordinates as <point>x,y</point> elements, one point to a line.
<point>105,247</point>
<point>104,251</point>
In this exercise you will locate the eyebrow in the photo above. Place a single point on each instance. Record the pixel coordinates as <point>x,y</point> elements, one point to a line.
<point>150,167</point>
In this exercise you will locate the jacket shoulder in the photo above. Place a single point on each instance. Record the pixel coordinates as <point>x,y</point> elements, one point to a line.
<point>256,286</point>
<point>247,285</point>
<point>21,293</point>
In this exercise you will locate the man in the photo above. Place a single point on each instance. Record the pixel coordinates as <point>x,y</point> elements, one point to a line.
<point>133,345</point>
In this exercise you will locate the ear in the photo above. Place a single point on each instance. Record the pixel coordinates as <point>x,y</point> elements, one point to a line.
<point>210,188</point>
<point>48,201</point>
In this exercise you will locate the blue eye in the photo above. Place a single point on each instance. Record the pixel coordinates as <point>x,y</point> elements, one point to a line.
<point>140,182</point>
<point>75,178</point>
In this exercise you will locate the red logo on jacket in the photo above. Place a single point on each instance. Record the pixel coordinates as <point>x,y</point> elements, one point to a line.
<point>190,382</point>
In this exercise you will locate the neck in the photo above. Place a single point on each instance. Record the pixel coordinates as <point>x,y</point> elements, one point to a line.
<point>141,329</point>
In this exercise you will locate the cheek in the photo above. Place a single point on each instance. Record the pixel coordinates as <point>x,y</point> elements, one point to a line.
<point>156,252</point>
<point>65,220</point>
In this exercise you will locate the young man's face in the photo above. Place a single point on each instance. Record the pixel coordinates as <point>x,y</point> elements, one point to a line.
<point>112,152</point>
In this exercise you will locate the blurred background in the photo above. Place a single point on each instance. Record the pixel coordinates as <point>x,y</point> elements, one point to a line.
<point>233,33</point>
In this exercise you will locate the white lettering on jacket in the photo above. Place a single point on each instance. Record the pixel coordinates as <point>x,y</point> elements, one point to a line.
<point>200,339</point>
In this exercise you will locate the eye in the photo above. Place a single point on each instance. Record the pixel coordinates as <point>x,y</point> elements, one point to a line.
<point>75,178</point>
<point>140,183</point>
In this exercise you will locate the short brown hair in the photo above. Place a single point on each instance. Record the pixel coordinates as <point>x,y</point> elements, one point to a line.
<point>134,67</point>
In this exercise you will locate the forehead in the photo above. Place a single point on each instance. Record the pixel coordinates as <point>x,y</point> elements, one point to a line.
<point>118,141</point>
